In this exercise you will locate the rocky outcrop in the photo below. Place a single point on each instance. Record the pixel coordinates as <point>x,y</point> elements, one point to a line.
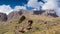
<point>38,12</point>
<point>45,13</point>
<point>51,13</point>
<point>14,15</point>
<point>3,17</point>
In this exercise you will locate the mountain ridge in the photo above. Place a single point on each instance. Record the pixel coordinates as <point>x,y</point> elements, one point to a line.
<point>16,14</point>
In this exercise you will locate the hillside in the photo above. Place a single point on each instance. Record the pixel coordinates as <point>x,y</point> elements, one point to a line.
<point>31,23</point>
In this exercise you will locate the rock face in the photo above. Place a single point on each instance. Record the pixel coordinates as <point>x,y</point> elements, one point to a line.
<point>38,12</point>
<point>45,13</point>
<point>3,17</point>
<point>51,13</point>
<point>15,15</point>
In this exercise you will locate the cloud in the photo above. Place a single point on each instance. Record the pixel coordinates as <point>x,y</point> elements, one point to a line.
<point>17,8</point>
<point>31,3</point>
<point>5,9</point>
<point>50,4</point>
<point>57,10</point>
<point>35,4</point>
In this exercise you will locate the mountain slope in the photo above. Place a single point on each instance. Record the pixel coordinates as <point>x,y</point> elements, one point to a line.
<point>31,23</point>
<point>40,25</point>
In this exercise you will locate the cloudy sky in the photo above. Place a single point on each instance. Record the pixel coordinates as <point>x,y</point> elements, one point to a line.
<point>6,6</point>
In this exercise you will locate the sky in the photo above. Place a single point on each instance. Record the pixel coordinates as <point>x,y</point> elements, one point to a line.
<point>14,3</point>
<point>7,6</point>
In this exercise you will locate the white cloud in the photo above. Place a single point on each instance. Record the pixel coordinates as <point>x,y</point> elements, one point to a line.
<point>17,8</point>
<point>57,10</point>
<point>5,9</point>
<point>35,4</point>
<point>51,4</point>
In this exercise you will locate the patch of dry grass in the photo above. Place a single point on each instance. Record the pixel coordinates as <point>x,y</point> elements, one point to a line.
<point>51,27</point>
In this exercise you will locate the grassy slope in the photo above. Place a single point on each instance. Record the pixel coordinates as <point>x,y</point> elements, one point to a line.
<point>52,26</point>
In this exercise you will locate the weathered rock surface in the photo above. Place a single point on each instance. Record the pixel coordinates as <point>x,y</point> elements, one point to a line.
<point>46,13</point>
<point>3,17</point>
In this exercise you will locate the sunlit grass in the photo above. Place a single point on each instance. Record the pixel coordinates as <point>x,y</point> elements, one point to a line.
<point>51,27</point>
